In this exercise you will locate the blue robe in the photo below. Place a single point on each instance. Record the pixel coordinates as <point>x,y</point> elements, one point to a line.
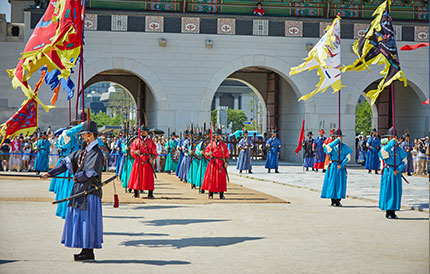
<point>118,150</point>
<point>390,194</point>
<point>244,160</point>
<point>42,157</point>
<point>334,186</point>
<point>319,152</point>
<point>272,160</point>
<point>67,143</point>
<point>372,159</point>
<point>408,147</point>
<point>186,161</point>
<point>170,164</point>
<point>181,156</point>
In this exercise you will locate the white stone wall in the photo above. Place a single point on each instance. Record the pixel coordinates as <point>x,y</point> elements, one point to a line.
<point>184,76</point>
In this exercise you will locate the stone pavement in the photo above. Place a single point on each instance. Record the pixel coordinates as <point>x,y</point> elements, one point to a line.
<point>305,236</point>
<point>360,184</point>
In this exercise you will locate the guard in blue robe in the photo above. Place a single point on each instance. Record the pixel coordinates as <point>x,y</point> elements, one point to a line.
<point>181,155</point>
<point>372,159</point>
<point>334,186</point>
<point>42,158</point>
<point>390,194</point>
<point>118,150</point>
<point>200,151</point>
<point>274,149</point>
<point>318,148</point>
<point>244,146</point>
<point>67,143</point>
<point>308,153</point>
<point>186,160</point>
<point>194,161</point>
<point>83,227</point>
<point>408,146</point>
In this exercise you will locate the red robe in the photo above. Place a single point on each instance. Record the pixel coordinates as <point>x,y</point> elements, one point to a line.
<point>327,158</point>
<point>142,177</point>
<point>214,180</point>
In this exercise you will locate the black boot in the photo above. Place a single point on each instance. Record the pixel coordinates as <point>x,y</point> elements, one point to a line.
<point>338,203</point>
<point>136,194</point>
<point>307,169</point>
<point>393,215</point>
<point>86,254</point>
<point>150,194</point>
<point>193,186</point>
<point>369,171</point>
<point>323,171</point>
<point>221,195</point>
<point>376,172</point>
<point>249,171</point>
<point>240,171</point>
<point>276,171</point>
<point>333,202</point>
<point>211,195</point>
<point>268,171</point>
<point>202,191</point>
<point>409,174</point>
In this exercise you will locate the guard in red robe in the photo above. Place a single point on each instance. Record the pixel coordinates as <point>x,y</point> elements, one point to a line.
<point>144,151</point>
<point>215,179</point>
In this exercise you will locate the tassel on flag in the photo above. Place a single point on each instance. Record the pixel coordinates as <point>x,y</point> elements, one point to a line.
<point>378,46</point>
<point>413,47</point>
<point>325,57</point>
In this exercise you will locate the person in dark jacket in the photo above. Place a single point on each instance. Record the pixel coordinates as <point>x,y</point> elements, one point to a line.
<point>83,227</point>
<point>308,156</point>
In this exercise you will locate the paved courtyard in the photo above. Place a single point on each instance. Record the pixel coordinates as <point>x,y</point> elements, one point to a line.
<point>360,184</point>
<point>301,235</point>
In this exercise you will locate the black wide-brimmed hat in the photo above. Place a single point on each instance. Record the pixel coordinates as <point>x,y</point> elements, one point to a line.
<point>274,132</point>
<point>173,134</point>
<point>390,132</point>
<point>89,127</point>
<point>310,133</point>
<point>200,134</point>
<point>218,131</point>
<point>338,133</point>
<point>186,131</point>
<point>144,128</point>
<point>374,130</point>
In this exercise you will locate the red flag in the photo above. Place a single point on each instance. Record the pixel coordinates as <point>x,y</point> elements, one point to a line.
<point>426,102</point>
<point>416,46</point>
<point>301,138</point>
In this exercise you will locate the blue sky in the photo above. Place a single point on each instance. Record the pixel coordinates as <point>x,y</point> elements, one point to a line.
<point>5,8</point>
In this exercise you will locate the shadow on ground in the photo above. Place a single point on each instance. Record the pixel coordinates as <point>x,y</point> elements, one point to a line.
<point>192,242</point>
<point>7,261</point>
<point>124,217</point>
<point>180,221</point>
<point>133,234</point>
<point>149,262</point>
<point>155,207</point>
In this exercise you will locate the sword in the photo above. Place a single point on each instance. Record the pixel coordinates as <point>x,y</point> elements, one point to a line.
<point>81,194</point>
<point>226,172</point>
<point>403,177</point>
<point>32,176</point>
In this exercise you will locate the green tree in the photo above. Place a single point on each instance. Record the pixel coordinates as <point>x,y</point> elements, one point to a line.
<point>102,119</point>
<point>363,118</point>
<point>237,118</point>
<point>121,103</point>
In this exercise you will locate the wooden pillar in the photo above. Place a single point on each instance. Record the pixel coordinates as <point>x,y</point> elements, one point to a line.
<point>272,101</point>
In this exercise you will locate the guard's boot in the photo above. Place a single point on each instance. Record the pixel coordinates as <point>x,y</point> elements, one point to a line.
<point>276,171</point>
<point>250,172</point>
<point>211,195</point>
<point>268,171</point>
<point>369,171</point>
<point>307,169</point>
<point>150,194</point>
<point>86,254</point>
<point>136,194</point>
<point>221,195</point>
<point>193,186</point>
<point>409,174</point>
<point>240,171</point>
<point>387,214</point>
<point>202,191</point>
<point>338,203</point>
<point>323,171</point>
<point>393,215</point>
<point>333,202</point>
<point>376,172</point>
